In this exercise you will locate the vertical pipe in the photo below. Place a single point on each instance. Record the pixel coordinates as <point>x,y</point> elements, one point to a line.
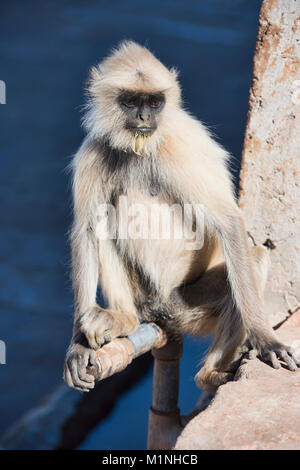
<point>164,416</point>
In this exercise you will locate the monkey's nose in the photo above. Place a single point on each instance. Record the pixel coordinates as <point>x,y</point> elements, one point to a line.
<point>143,115</point>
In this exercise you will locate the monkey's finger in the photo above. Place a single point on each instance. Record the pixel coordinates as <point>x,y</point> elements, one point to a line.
<point>68,378</point>
<point>271,356</point>
<point>73,366</point>
<point>92,359</point>
<point>82,374</point>
<point>92,340</point>
<point>253,354</point>
<point>99,339</point>
<point>107,337</point>
<point>69,381</point>
<point>292,353</point>
<point>282,353</point>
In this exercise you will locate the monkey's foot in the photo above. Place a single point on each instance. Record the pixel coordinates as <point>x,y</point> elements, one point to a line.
<point>211,380</point>
<point>100,326</point>
<point>276,353</point>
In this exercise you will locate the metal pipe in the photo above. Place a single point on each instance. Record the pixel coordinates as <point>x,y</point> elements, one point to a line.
<point>115,356</point>
<point>164,416</point>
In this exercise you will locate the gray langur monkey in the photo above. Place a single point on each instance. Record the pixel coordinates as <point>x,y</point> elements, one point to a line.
<point>142,145</point>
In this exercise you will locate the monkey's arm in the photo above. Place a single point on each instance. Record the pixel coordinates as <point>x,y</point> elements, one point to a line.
<point>245,292</point>
<point>85,271</point>
<point>85,280</point>
<point>93,325</point>
<point>84,266</point>
<point>95,257</point>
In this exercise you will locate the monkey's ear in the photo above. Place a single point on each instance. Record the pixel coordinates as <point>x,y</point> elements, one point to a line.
<point>174,72</point>
<point>93,77</point>
<point>94,74</point>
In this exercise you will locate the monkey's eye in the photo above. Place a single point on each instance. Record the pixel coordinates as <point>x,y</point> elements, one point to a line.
<point>155,103</point>
<point>130,103</point>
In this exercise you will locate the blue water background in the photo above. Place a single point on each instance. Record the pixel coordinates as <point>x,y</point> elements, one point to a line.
<point>46,49</point>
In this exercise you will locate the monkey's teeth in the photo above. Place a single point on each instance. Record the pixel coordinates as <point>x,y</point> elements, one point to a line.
<point>139,144</point>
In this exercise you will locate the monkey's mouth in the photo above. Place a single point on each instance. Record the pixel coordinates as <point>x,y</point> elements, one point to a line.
<point>139,139</point>
<point>146,131</point>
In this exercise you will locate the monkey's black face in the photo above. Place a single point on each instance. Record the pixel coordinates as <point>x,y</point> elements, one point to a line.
<point>141,111</point>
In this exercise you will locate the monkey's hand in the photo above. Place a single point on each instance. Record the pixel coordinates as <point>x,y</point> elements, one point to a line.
<point>100,326</point>
<point>78,357</point>
<point>273,351</point>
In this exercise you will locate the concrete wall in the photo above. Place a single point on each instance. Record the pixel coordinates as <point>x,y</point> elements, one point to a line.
<point>269,187</point>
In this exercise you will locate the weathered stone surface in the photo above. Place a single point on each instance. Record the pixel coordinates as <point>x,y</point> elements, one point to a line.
<point>259,410</point>
<point>269,188</point>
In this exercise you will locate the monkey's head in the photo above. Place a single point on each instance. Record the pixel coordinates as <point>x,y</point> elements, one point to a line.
<point>133,99</point>
<point>141,111</point>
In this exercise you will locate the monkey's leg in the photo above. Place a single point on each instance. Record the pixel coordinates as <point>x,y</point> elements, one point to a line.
<point>210,309</point>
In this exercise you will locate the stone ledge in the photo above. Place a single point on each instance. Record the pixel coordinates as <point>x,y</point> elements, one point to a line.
<point>259,410</point>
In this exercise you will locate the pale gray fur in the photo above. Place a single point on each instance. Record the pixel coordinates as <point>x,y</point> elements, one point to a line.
<point>216,289</point>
